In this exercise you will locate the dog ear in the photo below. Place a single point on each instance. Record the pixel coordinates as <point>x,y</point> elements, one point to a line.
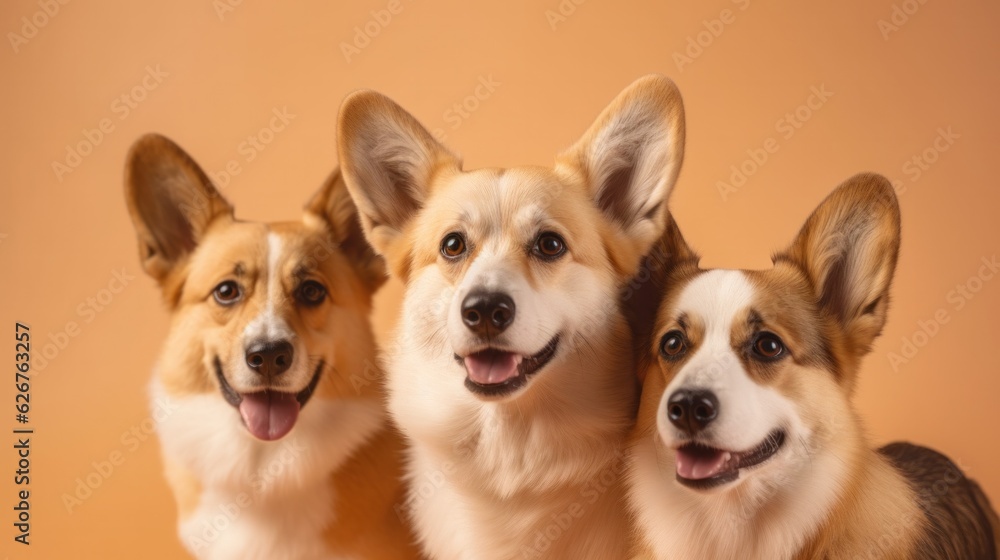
<point>388,160</point>
<point>631,155</point>
<point>171,200</point>
<point>643,295</point>
<point>333,205</point>
<point>848,249</point>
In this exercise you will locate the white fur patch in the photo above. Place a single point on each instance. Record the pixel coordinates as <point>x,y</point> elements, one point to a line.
<point>270,325</point>
<point>496,479</point>
<point>792,492</point>
<point>261,500</point>
<point>748,412</point>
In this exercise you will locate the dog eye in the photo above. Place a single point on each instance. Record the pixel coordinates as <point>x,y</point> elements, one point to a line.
<point>768,346</point>
<point>549,245</point>
<point>673,345</point>
<point>453,246</point>
<point>310,293</point>
<point>227,293</point>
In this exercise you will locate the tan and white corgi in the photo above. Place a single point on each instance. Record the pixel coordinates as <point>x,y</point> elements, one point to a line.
<point>512,373</point>
<point>277,445</point>
<point>747,445</point>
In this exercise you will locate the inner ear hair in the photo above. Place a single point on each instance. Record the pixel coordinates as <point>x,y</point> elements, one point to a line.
<point>387,158</point>
<point>333,205</point>
<point>848,248</point>
<point>171,201</point>
<point>631,155</point>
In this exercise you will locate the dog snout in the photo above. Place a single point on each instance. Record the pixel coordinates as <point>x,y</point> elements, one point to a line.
<point>692,410</point>
<point>270,358</point>
<point>487,314</point>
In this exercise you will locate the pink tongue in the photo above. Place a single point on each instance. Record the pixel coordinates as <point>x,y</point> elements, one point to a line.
<point>700,465</point>
<point>269,415</point>
<point>487,368</point>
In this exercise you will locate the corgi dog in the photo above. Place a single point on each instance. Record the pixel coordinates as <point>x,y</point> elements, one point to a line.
<point>511,373</point>
<point>747,445</point>
<point>277,444</point>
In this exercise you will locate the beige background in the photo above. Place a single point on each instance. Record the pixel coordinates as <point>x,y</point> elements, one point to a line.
<point>63,237</point>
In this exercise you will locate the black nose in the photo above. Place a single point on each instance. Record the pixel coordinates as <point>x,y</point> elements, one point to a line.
<point>691,410</point>
<point>487,313</point>
<point>270,358</point>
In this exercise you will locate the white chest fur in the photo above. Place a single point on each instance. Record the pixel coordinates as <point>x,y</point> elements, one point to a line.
<point>266,500</point>
<point>773,520</point>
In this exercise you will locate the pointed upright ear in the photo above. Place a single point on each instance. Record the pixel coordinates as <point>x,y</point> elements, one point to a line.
<point>333,205</point>
<point>644,294</point>
<point>631,155</point>
<point>388,160</point>
<point>171,200</point>
<point>848,249</point>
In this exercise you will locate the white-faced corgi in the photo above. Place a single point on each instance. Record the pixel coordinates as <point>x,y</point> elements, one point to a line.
<point>747,445</point>
<point>512,373</point>
<point>277,445</point>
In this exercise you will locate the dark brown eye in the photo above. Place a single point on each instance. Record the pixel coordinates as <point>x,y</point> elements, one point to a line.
<point>549,245</point>
<point>227,293</point>
<point>768,346</point>
<point>453,246</point>
<point>310,293</point>
<point>673,345</point>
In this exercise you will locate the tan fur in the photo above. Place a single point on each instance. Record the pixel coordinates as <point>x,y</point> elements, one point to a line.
<point>189,242</point>
<point>489,477</point>
<point>827,300</point>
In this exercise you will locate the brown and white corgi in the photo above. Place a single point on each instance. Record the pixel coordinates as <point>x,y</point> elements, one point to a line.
<point>278,445</point>
<point>747,445</point>
<point>512,372</point>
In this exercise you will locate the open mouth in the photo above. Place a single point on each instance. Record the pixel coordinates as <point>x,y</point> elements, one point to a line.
<point>495,373</point>
<point>702,467</point>
<point>268,415</point>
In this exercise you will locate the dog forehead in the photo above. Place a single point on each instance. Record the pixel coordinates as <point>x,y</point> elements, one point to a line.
<point>511,196</point>
<point>298,245</point>
<point>243,243</point>
<point>254,248</point>
<point>716,297</point>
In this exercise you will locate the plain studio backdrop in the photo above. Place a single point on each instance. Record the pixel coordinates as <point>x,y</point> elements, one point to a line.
<point>784,101</point>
